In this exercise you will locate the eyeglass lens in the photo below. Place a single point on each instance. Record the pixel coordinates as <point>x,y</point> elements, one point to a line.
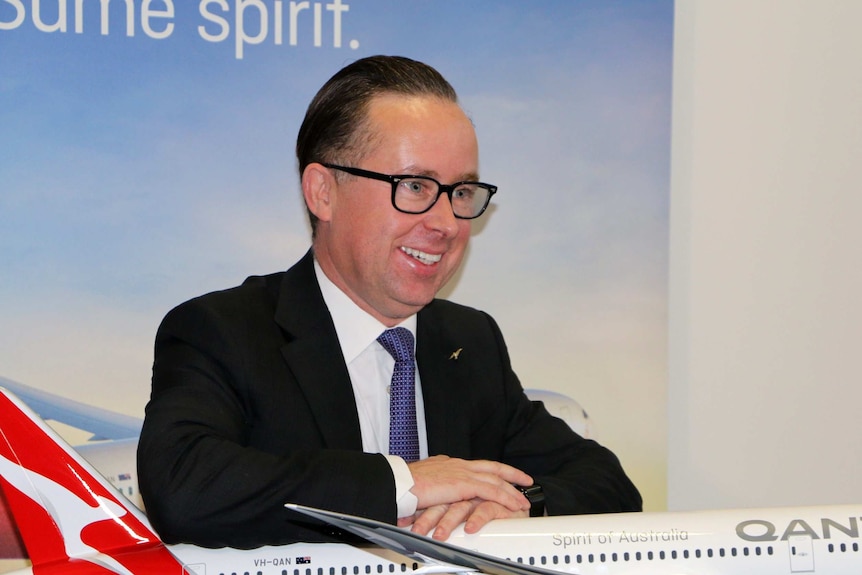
<point>416,195</point>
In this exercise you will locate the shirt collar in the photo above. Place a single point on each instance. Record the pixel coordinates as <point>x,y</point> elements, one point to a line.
<point>356,328</point>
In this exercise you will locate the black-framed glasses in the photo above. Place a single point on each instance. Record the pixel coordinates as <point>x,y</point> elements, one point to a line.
<point>417,194</point>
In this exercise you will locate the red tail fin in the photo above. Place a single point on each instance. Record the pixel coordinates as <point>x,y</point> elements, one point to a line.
<point>64,510</point>
<point>11,546</point>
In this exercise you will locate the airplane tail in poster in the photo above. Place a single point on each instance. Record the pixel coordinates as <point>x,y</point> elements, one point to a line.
<point>70,519</point>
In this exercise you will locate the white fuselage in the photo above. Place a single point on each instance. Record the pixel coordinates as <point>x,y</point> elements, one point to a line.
<point>758,541</point>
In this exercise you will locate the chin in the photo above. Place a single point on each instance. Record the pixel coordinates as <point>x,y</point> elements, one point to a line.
<point>407,306</point>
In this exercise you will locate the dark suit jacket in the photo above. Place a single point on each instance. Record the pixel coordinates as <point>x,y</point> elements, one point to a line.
<point>252,407</point>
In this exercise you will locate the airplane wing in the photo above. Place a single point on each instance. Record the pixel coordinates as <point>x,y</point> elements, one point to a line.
<point>420,547</point>
<point>102,423</point>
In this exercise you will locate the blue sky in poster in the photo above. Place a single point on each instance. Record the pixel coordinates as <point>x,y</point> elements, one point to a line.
<point>136,172</point>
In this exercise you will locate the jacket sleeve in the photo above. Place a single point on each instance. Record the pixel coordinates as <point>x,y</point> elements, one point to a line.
<point>577,475</point>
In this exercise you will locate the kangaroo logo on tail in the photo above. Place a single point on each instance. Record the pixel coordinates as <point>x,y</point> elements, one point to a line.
<point>63,509</point>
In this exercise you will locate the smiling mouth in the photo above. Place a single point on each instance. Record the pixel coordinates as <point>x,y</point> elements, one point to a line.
<point>425,258</point>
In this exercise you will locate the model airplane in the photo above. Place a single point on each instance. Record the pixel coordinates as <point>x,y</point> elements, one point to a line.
<point>73,522</point>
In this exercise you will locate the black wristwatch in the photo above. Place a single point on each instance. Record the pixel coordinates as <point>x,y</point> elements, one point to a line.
<point>536,497</point>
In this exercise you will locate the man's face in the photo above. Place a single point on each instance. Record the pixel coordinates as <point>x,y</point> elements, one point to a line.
<point>390,263</point>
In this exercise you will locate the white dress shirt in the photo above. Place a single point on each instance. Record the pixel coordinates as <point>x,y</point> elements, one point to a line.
<point>370,367</point>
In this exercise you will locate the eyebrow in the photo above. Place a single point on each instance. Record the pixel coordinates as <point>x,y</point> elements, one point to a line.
<point>415,171</point>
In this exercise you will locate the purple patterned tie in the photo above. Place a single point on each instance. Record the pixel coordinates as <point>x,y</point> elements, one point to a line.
<point>403,431</point>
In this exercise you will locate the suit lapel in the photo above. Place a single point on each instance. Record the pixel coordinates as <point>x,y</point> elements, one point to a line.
<point>443,383</point>
<point>314,356</point>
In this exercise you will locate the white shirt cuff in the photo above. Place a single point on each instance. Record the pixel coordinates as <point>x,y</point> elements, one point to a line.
<point>404,498</point>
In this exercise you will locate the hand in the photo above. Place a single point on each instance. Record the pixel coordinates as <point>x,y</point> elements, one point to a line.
<point>445,481</point>
<point>444,518</point>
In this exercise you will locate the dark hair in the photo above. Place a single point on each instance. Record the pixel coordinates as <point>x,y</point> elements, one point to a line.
<point>334,128</point>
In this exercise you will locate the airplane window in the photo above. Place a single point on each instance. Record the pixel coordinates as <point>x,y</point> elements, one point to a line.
<point>379,568</point>
<point>697,553</point>
<point>602,558</point>
<point>555,560</point>
<point>567,559</point>
<point>673,554</point>
<point>580,558</point>
<point>532,560</point>
<point>843,547</point>
<point>649,555</point>
<point>590,558</point>
<point>769,550</point>
<point>614,557</point>
<point>685,553</point>
<point>356,570</point>
<point>638,555</point>
<point>544,560</point>
<point>855,547</point>
<point>721,552</point>
<point>661,554</point>
<point>745,551</point>
<point>367,569</point>
<point>757,550</point>
<point>733,551</point>
<point>709,552</point>
<point>626,556</point>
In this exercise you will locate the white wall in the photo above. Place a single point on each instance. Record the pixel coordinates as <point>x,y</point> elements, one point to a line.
<point>765,390</point>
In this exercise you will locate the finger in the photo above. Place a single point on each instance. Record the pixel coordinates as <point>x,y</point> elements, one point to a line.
<point>502,492</point>
<point>501,471</point>
<point>494,470</point>
<point>500,476</point>
<point>486,512</point>
<point>454,516</point>
<point>428,519</point>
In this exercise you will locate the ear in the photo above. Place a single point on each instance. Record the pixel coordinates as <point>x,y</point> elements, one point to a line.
<point>318,186</point>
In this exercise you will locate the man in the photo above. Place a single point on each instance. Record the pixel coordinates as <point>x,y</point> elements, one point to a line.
<point>277,391</point>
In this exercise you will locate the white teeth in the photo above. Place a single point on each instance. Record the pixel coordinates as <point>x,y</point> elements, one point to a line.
<point>426,259</point>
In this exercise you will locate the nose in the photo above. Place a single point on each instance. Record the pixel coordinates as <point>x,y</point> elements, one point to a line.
<point>441,218</point>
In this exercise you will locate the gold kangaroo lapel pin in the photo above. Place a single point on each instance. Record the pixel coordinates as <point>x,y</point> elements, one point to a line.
<point>456,353</point>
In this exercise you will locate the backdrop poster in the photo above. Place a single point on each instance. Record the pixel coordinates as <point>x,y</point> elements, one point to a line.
<point>146,157</point>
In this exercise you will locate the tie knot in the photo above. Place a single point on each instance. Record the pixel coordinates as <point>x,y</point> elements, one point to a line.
<point>398,342</point>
